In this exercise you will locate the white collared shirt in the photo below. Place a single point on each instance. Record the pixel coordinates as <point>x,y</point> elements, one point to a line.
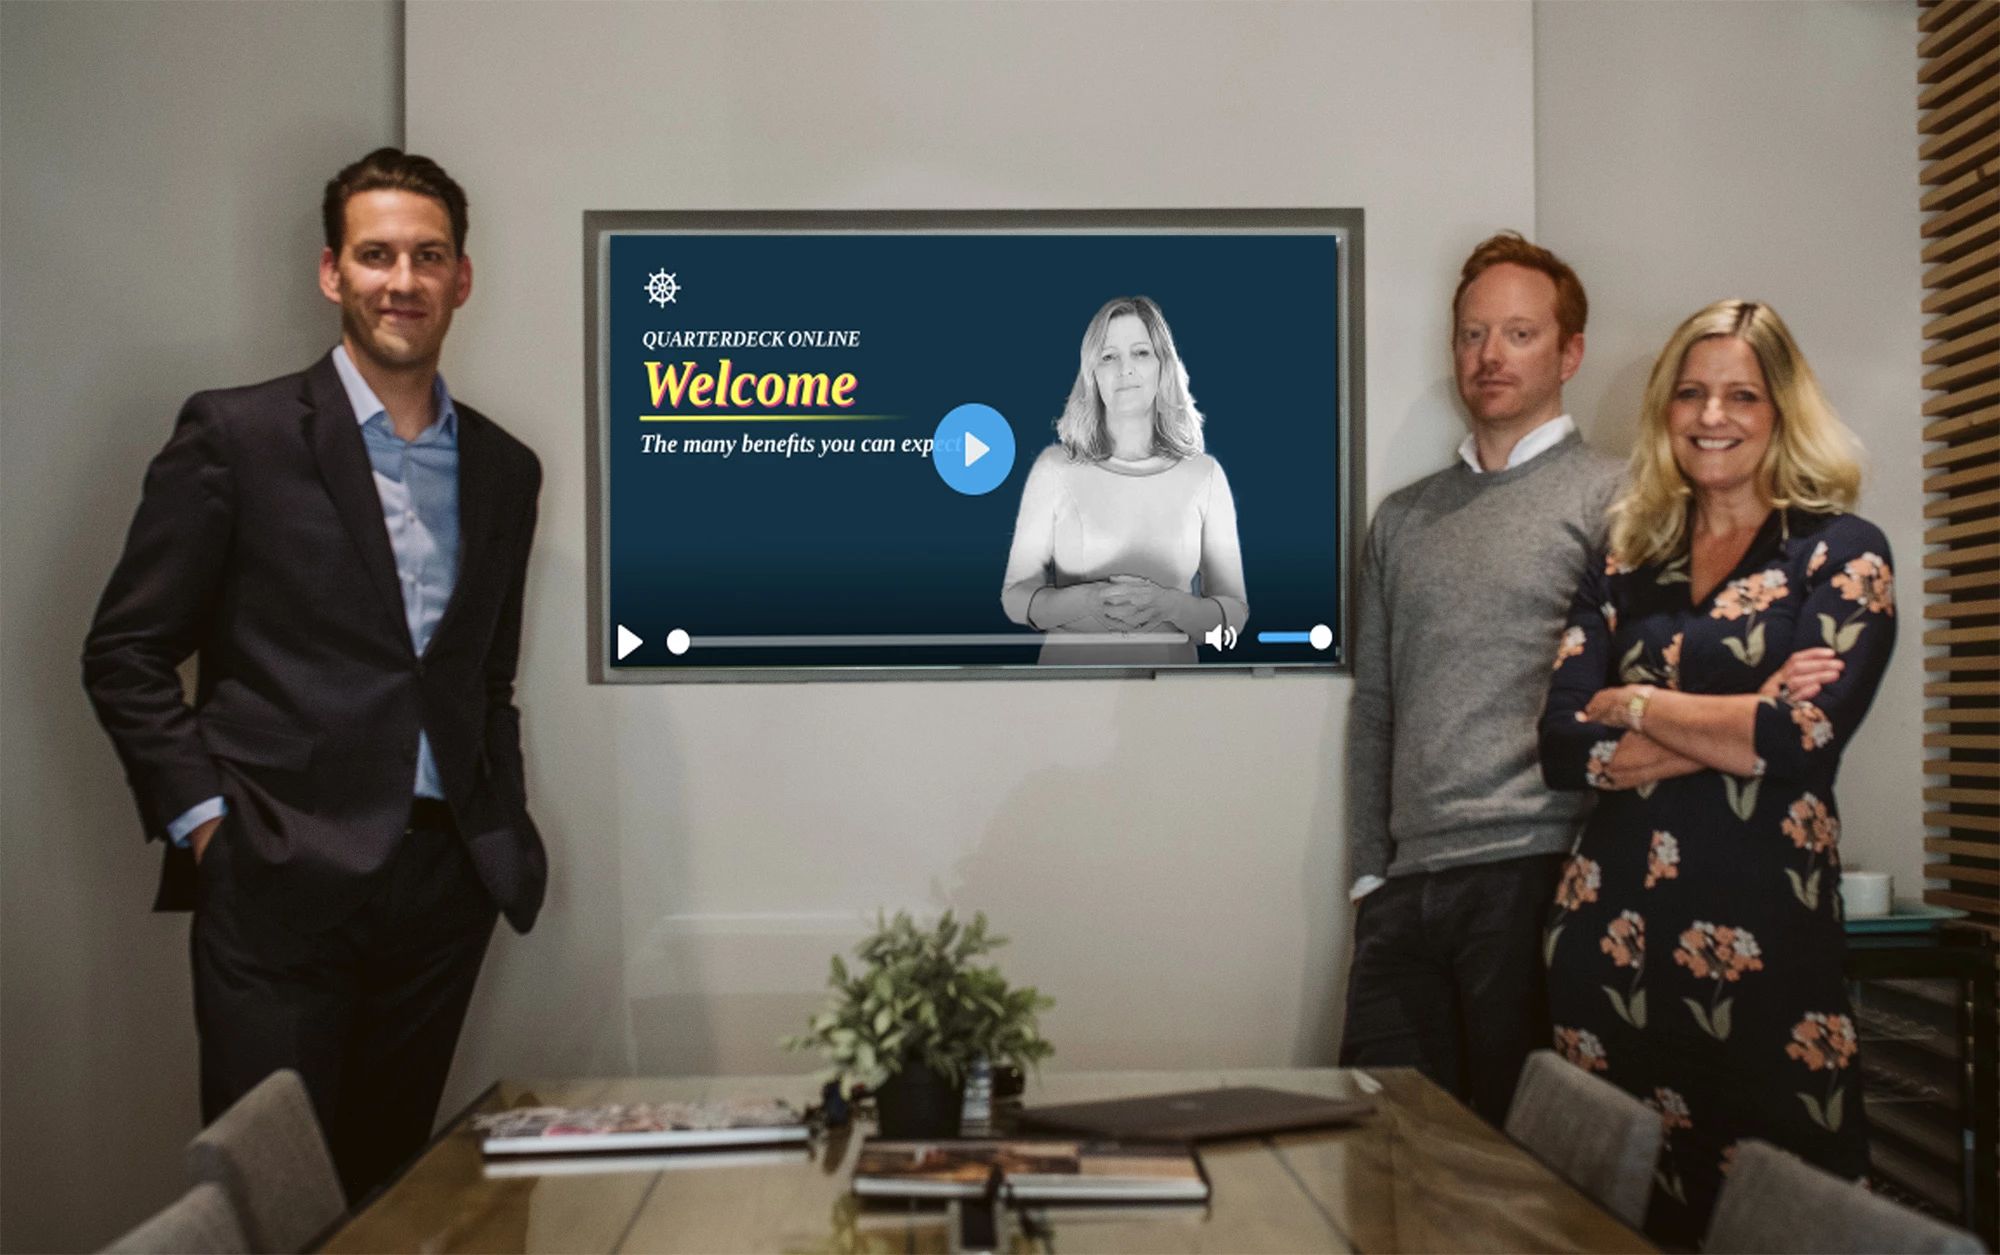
<point>1534,444</point>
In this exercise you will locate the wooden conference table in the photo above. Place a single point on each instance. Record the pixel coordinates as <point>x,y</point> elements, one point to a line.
<point>1422,1174</point>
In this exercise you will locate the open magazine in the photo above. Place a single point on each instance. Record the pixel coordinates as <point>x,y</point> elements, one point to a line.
<point>639,1127</point>
<point>1031,1171</point>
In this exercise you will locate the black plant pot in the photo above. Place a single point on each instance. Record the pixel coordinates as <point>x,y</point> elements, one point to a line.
<point>917,1102</point>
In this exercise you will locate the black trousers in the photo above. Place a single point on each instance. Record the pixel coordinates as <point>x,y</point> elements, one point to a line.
<point>1447,977</point>
<point>368,1011</point>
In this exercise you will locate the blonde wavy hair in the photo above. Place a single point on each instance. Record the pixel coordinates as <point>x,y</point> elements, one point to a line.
<point>1176,420</point>
<point>1812,462</point>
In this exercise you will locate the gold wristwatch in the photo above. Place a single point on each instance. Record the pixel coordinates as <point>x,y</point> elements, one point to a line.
<point>1635,711</point>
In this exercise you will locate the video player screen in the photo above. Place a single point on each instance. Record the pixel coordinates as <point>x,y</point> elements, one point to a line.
<point>844,445</point>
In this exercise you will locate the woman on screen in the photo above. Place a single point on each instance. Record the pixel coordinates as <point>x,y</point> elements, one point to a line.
<point>1125,547</point>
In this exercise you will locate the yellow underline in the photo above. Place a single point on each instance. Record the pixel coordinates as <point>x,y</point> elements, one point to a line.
<point>767,418</point>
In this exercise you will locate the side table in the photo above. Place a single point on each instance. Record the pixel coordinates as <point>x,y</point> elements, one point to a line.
<point>1925,1005</point>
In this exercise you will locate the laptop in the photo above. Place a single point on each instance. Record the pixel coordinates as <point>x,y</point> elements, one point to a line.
<point>1197,1115</point>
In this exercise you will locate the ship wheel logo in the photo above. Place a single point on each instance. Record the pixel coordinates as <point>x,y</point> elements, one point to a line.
<point>661,288</point>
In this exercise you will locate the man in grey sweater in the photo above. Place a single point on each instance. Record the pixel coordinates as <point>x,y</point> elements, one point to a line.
<point>1465,587</point>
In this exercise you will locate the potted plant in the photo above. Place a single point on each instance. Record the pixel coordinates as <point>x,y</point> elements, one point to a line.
<point>913,1019</point>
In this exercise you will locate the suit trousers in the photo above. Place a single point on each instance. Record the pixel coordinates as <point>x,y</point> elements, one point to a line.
<point>1448,978</point>
<point>367,1010</point>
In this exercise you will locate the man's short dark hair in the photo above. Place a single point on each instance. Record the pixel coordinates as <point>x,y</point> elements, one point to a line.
<point>393,170</point>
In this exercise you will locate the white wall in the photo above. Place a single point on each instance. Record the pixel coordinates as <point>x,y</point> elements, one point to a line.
<point>1167,854</point>
<point>1764,149</point>
<point>158,234</point>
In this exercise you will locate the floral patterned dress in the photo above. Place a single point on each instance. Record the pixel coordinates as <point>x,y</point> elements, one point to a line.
<point>1695,945</point>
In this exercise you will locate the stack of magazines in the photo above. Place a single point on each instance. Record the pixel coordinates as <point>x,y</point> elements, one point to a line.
<point>639,1136</point>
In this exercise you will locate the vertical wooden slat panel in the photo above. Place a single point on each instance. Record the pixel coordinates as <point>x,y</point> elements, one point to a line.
<point>1958,48</point>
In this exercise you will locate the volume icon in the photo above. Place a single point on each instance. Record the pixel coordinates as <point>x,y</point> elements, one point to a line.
<point>1221,637</point>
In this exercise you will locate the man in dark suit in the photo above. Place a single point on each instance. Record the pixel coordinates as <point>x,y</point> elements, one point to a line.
<point>345,549</point>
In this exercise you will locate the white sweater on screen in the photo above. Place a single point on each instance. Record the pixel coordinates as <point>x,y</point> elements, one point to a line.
<point>1167,520</point>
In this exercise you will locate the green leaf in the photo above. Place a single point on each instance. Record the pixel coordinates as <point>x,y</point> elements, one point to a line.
<point>1637,1006</point>
<point>1617,1003</point>
<point>1631,660</point>
<point>1722,1019</point>
<point>1834,1106</point>
<point>1812,1109</point>
<point>1798,886</point>
<point>1549,940</point>
<point>1671,1186</point>
<point>1828,632</point>
<point>1700,1015</point>
<point>1742,794</point>
<point>1753,650</point>
<point>1736,647</point>
<point>1646,789</point>
<point>1848,635</point>
<point>1812,890</point>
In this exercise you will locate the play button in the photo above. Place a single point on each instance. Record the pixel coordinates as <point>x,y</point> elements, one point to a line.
<point>628,640</point>
<point>973,449</point>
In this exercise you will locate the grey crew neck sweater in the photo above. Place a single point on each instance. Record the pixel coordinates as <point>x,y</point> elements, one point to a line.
<point>1465,586</point>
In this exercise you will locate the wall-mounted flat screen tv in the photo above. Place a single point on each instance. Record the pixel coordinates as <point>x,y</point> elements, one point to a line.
<point>850,445</point>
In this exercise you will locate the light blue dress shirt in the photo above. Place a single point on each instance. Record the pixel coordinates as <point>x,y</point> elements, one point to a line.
<point>417,481</point>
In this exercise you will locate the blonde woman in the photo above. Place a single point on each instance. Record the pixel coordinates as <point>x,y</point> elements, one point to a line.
<point>1711,675</point>
<point>1125,548</point>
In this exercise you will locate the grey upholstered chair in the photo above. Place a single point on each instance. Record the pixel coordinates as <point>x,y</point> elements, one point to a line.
<point>1776,1203</point>
<point>1596,1136</point>
<point>201,1222</point>
<point>267,1153</point>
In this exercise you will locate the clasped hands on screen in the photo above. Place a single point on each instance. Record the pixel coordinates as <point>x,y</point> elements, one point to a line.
<point>1122,603</point>
<point>1133,603</point>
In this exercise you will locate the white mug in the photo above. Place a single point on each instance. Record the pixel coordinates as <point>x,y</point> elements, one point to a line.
<point>1867,894</point>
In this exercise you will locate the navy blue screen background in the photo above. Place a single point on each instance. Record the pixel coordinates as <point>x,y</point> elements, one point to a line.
<point>759,544</point>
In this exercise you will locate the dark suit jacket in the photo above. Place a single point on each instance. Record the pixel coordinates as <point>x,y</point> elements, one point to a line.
<point>259,542</point>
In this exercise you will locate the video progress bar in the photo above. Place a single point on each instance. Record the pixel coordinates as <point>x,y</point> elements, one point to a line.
<point>1022,639</point>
